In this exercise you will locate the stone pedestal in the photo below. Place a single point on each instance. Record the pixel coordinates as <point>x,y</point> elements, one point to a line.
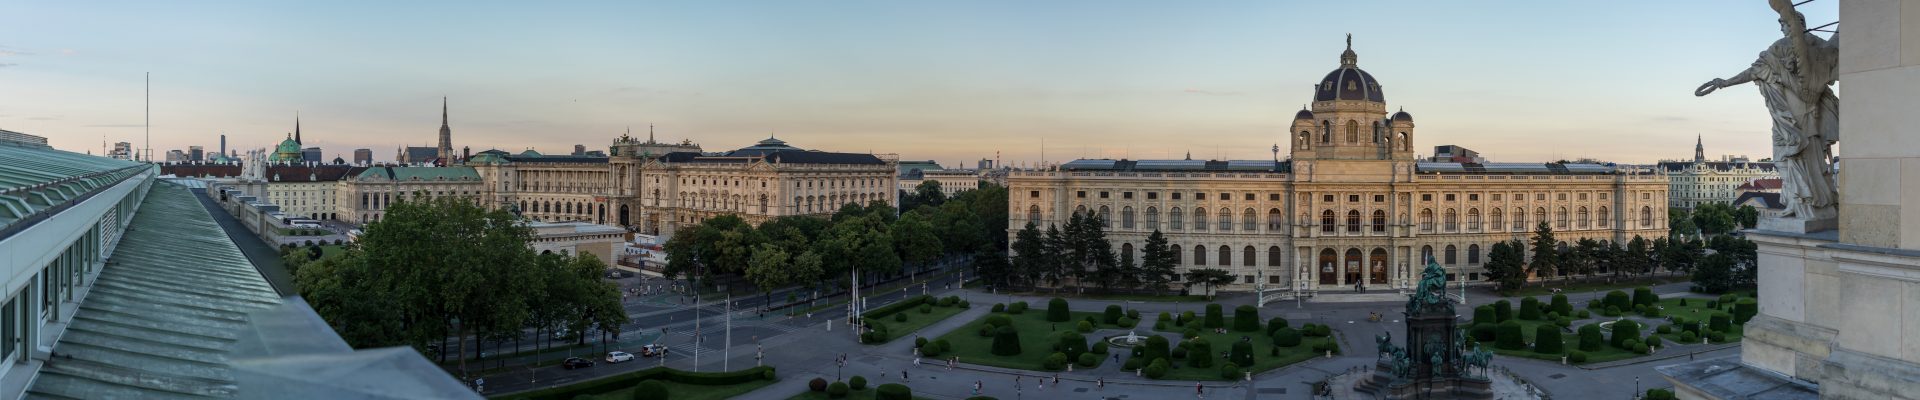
<point>1797,225</point>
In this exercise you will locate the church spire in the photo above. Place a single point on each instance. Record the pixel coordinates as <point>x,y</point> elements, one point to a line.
<point>649,133</point>
<point>1699,149</point>
<point>296,128</point>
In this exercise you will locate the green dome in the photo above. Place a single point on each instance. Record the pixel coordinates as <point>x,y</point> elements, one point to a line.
<point>287,151</point>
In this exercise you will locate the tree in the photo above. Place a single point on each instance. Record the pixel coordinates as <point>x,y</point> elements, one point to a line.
<point>1635,259</point>
<point>1208,278</point>
<point>1715,273</point>
<point>1130,274</point>
<point>927,193</point>
<point>1714,218</point>
<point>1157,266</point>
<point>1747,216</point>
<point>1029,255</point>
<point>1545,255</point>
<point>1680,223</point>
<point>914,240</point>
<point>1054,267</point>
<point>1505,266</point>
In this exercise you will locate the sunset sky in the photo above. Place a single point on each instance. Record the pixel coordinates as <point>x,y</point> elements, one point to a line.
<point>952,81</point>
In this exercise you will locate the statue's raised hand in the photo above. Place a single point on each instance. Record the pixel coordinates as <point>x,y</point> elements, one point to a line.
<point>1710,86</point>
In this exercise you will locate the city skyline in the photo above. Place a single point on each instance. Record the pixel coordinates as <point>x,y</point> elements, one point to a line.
<point>947,82</point>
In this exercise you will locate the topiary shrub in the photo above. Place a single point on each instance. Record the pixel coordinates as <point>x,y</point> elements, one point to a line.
<point>1644,296</point>
<point>965,304</point>
<point>999,308</point>
<point>893,391</point>
<point>1246,319</point>
<point>1654,312</point>
<point>901,317</point>
<point>1482,332</point>
<point>1623,331</point>
<point>1088,360</point>
<point>1057,310</point>
<point>1683,301</point>
<point>920,343</point>
<point>651,389</point>
<point>1156,369</point>
<point>1546,340</point>
<point>1744,310</point>
<point>1722,322</point>
<point>1242,353</point>
<point>1583,314</point>
<point>1084,327</point>
<point>1639,308</point>
<point>1507,336</point>
<point>1099,347</point>
<point>1595,304</point>
<point>1180,353</point>
<point>1655,342</point>
<point>1073,344</point>
<point>857,383</point>
<point>1132,363</point>
<point>1714,305</point>
<point>1274,324</point>
<point>1017,307</point>
<point>932,350</point>
<point>1529,309</point>
<point>1160,325</point>
<point>1618,299</point>
<point>1006,341</point>
<point>1214,317</point>
<point>1717,337</point>
<point>1560,305</point>
<point>1113,314</point>
<point>1688,337</point>
<point>1200,354</point>
<point>1659,394</point>
<point>1611,311</point>
<point>1055,362</point>
<point>1502,311</point>
<point>1590,337</point>
<point>1639,348</point>
<point>1563,322</point>
<point>1164,317</point>
<point>1190,333</point>
<point>1577,356</point>
<point>1286,337</point>
<point>1664,329</point>
<point>837,390</point>
<point>1127,322</point>
<point>817,385</point>
<point>1186,317</point>
<point>1156,347</point>
<point>1230,371</point>
<point>1728,298</point>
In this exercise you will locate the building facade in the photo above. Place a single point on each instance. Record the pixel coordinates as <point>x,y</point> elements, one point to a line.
<point>1352,206</point>
<point>364,197</point>
<point>1692,183</point>
<point>767,180</point>
<point>603,242</point>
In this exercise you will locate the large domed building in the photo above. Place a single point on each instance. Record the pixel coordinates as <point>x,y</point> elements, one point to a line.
<point>1350,205</point>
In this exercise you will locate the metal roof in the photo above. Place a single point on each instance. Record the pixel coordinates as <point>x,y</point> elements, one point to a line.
<point>1176,165</point>
<point>35,179</point>
<point>1513,168</point>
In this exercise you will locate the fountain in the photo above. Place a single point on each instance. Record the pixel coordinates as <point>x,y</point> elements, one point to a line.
<point>1128,340</point>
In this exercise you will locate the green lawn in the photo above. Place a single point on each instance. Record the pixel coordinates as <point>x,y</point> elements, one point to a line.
<point>1263,359</point>
<point>1168,298</point>
<point>915,320</point>
<point>682,391</point>
<point>851,395</point>
<point>1036,340</point>
<point>1696,309</point>
<point>1570,341</point>
<point>1601,285</point>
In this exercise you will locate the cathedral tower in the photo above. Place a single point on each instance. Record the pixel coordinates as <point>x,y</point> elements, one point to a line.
<point>446,135</point>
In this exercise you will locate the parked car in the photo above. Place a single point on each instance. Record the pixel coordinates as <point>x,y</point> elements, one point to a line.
<point>576,362</point>
<point>618,357</point>
<point>653,350</point>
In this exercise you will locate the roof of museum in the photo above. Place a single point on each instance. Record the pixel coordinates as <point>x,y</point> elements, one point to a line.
<point>179,312</point>
<point>420,173</point>
<point>202,170</point>
<point>1722,166</point>
<point>1514,168</point>
<point>1178,165</point>
<point>311,173</point>
<point>36,179</point>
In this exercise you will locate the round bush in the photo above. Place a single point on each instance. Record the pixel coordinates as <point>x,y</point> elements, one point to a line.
<point>966,304</point>
<point>1286,337</point>
<point>1591,338</point>
<point>1055,362</point>
<point>1160,325</point>
<point>1563,322</point>
<point>650,390</point>
<point>1135,314</point>
<point>1659,394</point>
<point>1577,356</point>
<point>1230,371</point>
<point>1664,329</point>
<point>1639,308</point>
<point>1274,324</point>
<point>1186,317</point>
<point>1529,309</point>
<point>893,391</point>
<point>1084,327</point>
<point>1127,322</point>
<point>1728,298</point>
<point>1006,342</point>
<point>1744,310</point>
<point>1099,347</point>
<point>1507,336</point>
<point>1722,322</point>
<point>1190,333</point>
<point>1630,344</point>
<point>1214,317</point>
<point>1640,348</point>
<point>920,342</point>
<point>1073,344</point>
<point>1546,340</point>
<point>817,384</point>
<point>1156,347</point>
<point>1157,369</point>
<point>1132,363</point>
<point>1619,299</point>
<point>948,301</point>
<point>1201,354</point>
<point>1717,337</point>
<point>1017,307</point>
<point>999,308</point>
<point>857,383</point>
<point>1113,314</point>
<point>1654,312</point>
<point>926,308</point>
<point>932,350</point>
<point>1180,353</point>
<point>1000,320</point>
<point>1246,319</point>
<point>1088,359</point>
<point>1611,311</point>
<point>1688,337</point>
<point>837,390</point>
<point>1623,331</point>
<point>1583,314</point>
<point>1164,317</point>
<point>1654,342</point>
<point>1057,310</point>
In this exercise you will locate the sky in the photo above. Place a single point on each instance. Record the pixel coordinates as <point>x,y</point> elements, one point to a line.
<point>951,81</point>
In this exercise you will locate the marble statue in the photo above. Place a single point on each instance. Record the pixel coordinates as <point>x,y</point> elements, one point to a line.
<point>1794,76</point>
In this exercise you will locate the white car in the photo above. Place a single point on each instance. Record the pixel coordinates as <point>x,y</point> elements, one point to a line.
<point>619,357</point>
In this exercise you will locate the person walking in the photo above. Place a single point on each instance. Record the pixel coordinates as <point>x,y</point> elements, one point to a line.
<point>976,388</point>
<point>903,376</point>
<point>1199,392</point>
<point>1100,384</point>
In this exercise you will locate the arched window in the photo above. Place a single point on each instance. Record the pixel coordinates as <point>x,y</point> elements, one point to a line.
<point>1581,217</point>
<point>1106,217</point>
<point>1033,213</point>
<point>1226,220</point>
<point>1199,219</point>
<point>1539,214</point>
<point>1426,220</point>
<point>1353,131</point>
<point>1473,220</point>
<point>1497,222</point>
<point>1273,256</point>
<point>1379,221</point>
<point>1605,219</point>
<point>1519,220</point>
<point>1250,220</point>
<point>1306,141</point>
<point>1226,256</point>
<point>1247,257</point>
<point>1453,220</point>
<point>1405,145</point>
<point>1473,254</point>
<point>1326,132</point>
<point>1175,250</point>
<point>1174,219</point>
<point>1426,253</point>
<point>1199,255</point>
<point>1126,253</point>
<point>1080,210</point>
<point>1376,132</point>
<point>1646,216</point>
<point>1326,221</point>
<point>1560,218</point>
<point>1126,217</point>
<point>1353,221</point>
<point>1450,255</point>
<point>1153,218</point>
<point>1273,219</point>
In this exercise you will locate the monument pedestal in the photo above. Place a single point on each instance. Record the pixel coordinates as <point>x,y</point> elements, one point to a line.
<point>1797,225</point>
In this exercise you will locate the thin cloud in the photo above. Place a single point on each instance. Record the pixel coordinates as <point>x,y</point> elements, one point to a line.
<point>115,126</point>
<point>4,65</point>
<point>1213,93</point>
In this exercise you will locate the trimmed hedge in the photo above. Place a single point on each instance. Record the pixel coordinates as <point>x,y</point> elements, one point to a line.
<point>1006,341</point>
<point>893,391</point>
<point>1286,337</point>
<point>1722,322</point>
<point>837,390</point>
<point>1275,323</point>
<point>1114,314</point>
<point>857,383</point>
<point>1590,337</point>
<point>1623,331</point>
<point>1246,319</point>
<point>1242,353</point>
<point>1073,344</point>
<point>903,305</point>
<point>1214,317</point>
<point>626,380</point>
<point>1200,353</point>
<point>1744,310</point>
<point>1546,340</point>
<point>1502,311</point>
<point>1618,300</point>
<point>650,390</point>
<point>1157,347</point>
<point>1530,309</point>
<point>1507,336</point>
<point>1560,305</point>
<point>1644,296</point>
<point>1156,369</point>
<point>1057,310</point>
<point>1017,307</point>
<point>1577,356</point>
<point>1484,315</point>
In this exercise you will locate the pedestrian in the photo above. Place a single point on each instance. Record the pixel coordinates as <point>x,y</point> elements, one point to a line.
<point>1199,392</point>
<point>976,388</point>
<point>1056,379</point>
<point>1100,384</point>
<point>903,376</point>
<point>916,361</point>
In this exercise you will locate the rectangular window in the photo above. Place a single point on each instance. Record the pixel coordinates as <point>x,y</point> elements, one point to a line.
<point>1126,195</point>
<point>1326,198</point>
<point>1426,197</point>
<point>1226,196</point>
<point>1153,195</point>
<point>1353,198</point>
<point>1603,197</point>
<point>1449,196</point>
<point>1176,195</point>
<point>1249,197</point>
<point>1379,198</point>
<point>1273,280</point>
<point>1249,278</point>
<point>1199,196</point>
<point>1560,197</point>
<point>1473,197</point>
<point>1273,197</point>
<point>1103,195</point>
<point>1034,194</point>
<point>1496,197</point>
<point>1539,197</point>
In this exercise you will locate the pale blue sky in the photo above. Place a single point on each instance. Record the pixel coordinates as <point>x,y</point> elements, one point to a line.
<point>949,80</point>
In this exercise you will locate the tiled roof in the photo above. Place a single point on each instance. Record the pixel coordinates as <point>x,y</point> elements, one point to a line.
<point>303,173</point>
<point>1761,184</point>
<point>421,173</point>
<point>1766,199</point>
<point>201,170</point>
<point>1179,165</point>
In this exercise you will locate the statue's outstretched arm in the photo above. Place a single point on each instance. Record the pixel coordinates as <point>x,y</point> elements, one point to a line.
<point>1743,77</point>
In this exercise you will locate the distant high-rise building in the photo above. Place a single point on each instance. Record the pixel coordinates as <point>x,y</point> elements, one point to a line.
<point>223,144</point>
<point>121,150</point>
<point>176,156</point>
<point>196,154</point>
<point>1456,154</point>
<point>579,149</point>
<point>310,154</point>
<point>362,156</point>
